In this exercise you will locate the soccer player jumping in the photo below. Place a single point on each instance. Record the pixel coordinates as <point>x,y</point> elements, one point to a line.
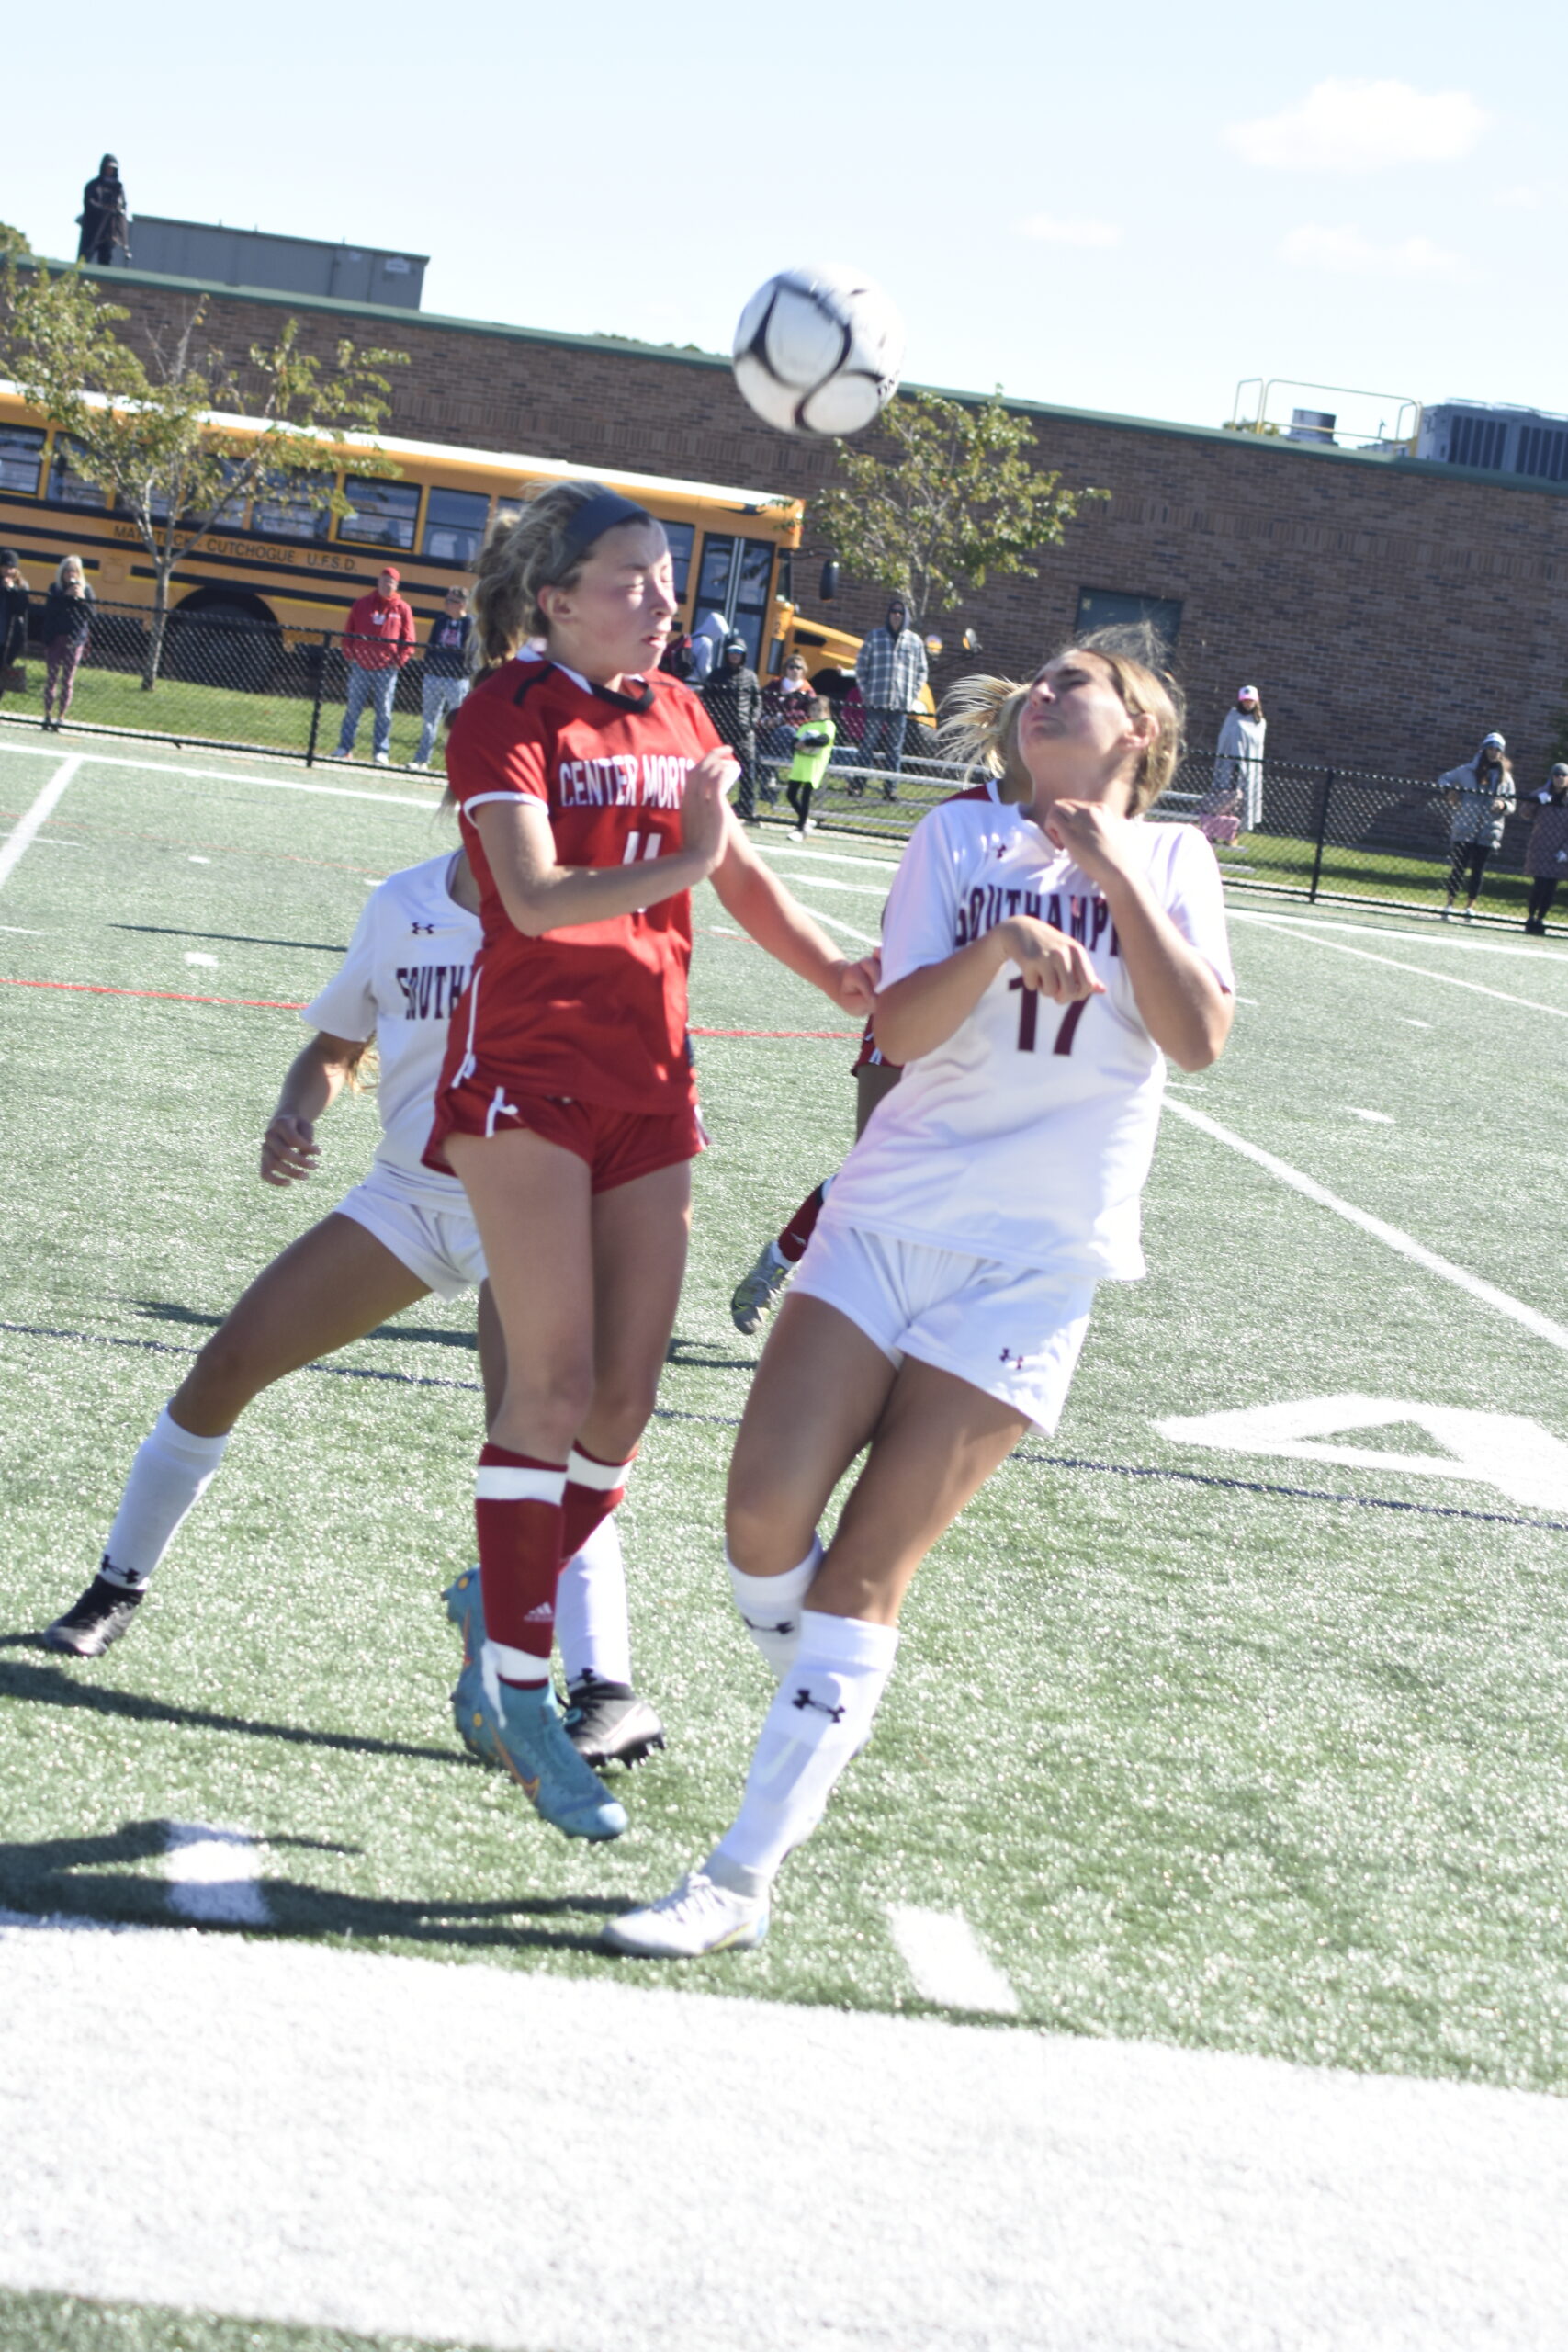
<point>591,787</point>
<point>1044,950</point>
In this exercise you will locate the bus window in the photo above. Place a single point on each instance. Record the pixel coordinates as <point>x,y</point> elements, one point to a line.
<point>283,509</point>
<point>22,458</point>
<point>66,487</point>
<point>230,514</point>
<point>734,581</point>
<point>679,536</point>
<point>453,524</point>
<point>381,513</point>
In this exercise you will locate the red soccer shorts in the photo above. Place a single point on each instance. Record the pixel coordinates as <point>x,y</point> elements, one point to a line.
<point>618,1146</point>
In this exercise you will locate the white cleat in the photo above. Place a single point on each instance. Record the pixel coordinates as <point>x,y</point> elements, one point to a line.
<point>757,1288</point>
<point>699,1917</point>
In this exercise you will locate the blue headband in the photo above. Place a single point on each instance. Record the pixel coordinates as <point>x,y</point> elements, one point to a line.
<point>598,514</point>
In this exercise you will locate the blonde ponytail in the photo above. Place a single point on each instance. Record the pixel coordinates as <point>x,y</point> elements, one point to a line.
<point>980,716</point>
<point>522,554</point>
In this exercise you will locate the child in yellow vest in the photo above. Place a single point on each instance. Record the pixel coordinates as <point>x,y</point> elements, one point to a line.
<point>813,749</point>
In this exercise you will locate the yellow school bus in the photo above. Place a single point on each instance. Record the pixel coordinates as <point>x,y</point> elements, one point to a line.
<point>277,558</point>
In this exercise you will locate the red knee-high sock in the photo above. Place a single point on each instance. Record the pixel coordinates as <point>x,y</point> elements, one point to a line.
<point>791,1243</point>
<point>593,1489</point>
<point>518,1509</point>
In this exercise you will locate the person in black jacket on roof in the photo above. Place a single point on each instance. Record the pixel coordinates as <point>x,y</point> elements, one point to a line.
<point>734,699</point>
<point>106,222</point>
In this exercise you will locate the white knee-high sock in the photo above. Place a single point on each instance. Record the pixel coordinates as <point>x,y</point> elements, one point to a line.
<point>770,1606</point>
<point>171,1471</point>
<point>591,1628</point>
<point>820,1718</point>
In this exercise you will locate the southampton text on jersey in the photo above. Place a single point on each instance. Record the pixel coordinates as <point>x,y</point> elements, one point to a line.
<point>430,990</point>
<point>1083,918</point>
<point>623,780</point>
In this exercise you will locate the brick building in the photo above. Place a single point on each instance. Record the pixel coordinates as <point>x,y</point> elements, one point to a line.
<point>1390,611</point>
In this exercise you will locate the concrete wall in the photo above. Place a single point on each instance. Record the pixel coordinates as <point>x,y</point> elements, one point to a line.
<point>1389,613</point>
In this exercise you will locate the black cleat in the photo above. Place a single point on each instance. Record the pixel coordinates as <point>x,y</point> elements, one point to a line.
<point>608,1724</point>
<point>100,1617</point>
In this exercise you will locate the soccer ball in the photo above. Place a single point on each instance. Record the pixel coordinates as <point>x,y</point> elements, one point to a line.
<point>818,351</point>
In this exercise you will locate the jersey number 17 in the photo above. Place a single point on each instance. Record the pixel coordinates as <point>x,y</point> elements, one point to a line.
<point>1029,1020</point>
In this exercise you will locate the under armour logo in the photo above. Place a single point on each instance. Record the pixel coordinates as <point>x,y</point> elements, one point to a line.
<point>428,929</point>
<point>784,1626</point>
<point>803,1698</point>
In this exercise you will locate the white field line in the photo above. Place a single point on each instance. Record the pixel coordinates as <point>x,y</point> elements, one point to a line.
<point>1442,935</point>
<point>866,938</point>
<point>831,882</point>
<point>214,1876</point>
<point>942,1955</point>
<point>226,776</point>
<point>1390,1235</point>
<point>15,847</point>
<point>928,2184</point>
<point>1396,964</point>
<point>827,856</point>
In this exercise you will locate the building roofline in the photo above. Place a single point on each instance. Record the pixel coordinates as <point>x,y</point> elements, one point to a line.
<point>683,355</point>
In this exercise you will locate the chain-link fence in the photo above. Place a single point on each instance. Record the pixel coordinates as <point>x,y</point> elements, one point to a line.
<point>1317,832</point>
<point>227,682</point>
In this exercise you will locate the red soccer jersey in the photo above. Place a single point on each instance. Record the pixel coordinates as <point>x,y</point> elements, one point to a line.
<point>597,1011</point>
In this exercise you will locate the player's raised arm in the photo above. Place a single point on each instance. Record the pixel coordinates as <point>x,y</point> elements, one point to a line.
<point>1185,1008</point>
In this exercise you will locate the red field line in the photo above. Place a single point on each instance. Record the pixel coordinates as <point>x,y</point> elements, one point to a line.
<point>170,996</point>
<point>278,1004</point>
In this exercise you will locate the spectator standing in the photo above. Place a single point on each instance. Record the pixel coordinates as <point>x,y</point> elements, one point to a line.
<point>1546,859</point>
<point>707,647</point>
<point>813,750</point>
<point>1239,761</point>
<point>377,639</point>
<point>106,222</point>
<point>67,629</point>
<point>890,672</point>
<point>784,706</point>
<point>445,670</point>
<point>1482,792</point>
<point>733,697</point>
<point>15,606</point>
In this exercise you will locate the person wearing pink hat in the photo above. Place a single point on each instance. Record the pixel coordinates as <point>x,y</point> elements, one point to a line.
<point>377,639</point>
<point>1238,761</point>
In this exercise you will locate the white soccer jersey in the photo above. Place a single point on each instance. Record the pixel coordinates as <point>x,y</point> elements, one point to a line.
<point>407,964</point>
<point>1028,1136</point>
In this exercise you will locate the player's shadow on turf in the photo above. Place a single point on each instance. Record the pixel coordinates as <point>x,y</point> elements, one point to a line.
<point>51,1686</point>
<point>702,1356</point>
<point>94,1878</point>
<point>164,1310</point>
<point>236,938</point>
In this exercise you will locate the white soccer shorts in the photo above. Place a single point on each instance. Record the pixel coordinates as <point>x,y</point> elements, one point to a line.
<point>438,1243</point>
<point>1013,1332</point>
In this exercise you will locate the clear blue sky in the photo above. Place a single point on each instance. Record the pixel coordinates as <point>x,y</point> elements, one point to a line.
<point>1126,209</point>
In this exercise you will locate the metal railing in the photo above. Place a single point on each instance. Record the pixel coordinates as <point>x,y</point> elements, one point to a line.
<point>1314,832</point>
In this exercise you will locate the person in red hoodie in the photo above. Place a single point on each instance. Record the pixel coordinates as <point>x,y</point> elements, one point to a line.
<point>377,639</point>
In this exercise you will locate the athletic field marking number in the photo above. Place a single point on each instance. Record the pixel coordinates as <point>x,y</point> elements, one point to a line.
<point>1029,1020</point>
<point>1508,1452</point>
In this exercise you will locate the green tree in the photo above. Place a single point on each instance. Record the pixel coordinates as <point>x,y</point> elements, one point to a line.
<point>956,499</point>
<point>146,433</point>
<point>14,246</point>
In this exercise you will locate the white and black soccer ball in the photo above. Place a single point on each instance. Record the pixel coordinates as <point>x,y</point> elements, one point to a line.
<point>818,351</point>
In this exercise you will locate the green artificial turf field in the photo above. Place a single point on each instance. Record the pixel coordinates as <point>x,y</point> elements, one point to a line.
<point>1219,1746</point>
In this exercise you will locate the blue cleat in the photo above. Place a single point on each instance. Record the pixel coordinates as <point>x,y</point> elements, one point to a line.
<point>465,1609</point>
<point>521,1731</point>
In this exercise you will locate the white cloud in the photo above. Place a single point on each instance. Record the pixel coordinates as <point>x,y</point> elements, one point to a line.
<point>1350,253</point>
<point>1362,126</point>
<point>1050,231</point>
<point>1518,199</point>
